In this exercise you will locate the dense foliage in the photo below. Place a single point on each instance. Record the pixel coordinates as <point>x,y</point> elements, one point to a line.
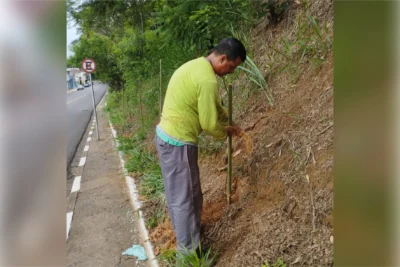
<point>128,38</point>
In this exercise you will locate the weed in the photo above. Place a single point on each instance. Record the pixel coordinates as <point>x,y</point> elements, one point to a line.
<point>151,182</point>
<point>256,77</point>
<point>135,162</point>
<point>151,223</point>
<point>158,210</point>
<point>145,163</point>
<point>195,260</point>
<point>208,145</point>
<point>293,116</point>
<point>168,256</point>
<point>278,263</point>
<point>125,144</point>
<point>312,40</point>
<point>296,156</point>
<point>189,258</point>
<point>310,43</point>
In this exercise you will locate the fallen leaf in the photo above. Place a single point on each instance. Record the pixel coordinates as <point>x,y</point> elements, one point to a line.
<point>297,260</point>
<point>237,153</point>
<point>223,168</point>
<point>269,145</point>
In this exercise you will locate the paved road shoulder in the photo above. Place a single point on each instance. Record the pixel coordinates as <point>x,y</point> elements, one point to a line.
<point>103,222</point>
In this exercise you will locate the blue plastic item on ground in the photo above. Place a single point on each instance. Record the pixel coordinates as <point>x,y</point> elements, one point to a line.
<point>137,251</point>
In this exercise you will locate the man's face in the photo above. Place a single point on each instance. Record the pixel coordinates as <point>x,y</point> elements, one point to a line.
<point>224,66</point>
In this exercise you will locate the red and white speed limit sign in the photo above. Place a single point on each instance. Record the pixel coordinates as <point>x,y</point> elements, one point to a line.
<point>88,65</point>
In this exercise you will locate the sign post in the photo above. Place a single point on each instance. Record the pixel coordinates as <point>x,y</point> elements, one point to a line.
<point>89,66</point>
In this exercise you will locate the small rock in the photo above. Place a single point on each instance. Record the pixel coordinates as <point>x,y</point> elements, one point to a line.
<point>331,239</point>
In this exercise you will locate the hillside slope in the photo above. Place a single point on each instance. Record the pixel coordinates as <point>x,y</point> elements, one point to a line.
<point>282,200</point>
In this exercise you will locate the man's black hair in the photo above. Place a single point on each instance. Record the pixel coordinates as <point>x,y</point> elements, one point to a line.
<point>232,48</point>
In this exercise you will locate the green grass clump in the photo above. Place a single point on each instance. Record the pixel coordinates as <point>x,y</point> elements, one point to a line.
<point>208,145</point>
<point>255,76</point>
<point>278,263</point>
<point>189,258</point>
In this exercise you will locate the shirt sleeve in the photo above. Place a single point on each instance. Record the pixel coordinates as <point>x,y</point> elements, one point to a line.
<point>222,114</point>
<point>208,107</point>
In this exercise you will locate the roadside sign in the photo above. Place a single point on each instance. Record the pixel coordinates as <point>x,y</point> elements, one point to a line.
<point>88,65</point>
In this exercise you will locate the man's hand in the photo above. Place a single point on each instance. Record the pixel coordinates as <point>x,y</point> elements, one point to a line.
<point>234,130</point>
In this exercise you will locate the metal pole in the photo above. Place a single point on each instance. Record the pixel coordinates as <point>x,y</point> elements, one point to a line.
<point>94,107</point>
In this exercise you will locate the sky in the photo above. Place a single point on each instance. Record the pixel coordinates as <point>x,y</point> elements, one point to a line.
<point>72,35</point>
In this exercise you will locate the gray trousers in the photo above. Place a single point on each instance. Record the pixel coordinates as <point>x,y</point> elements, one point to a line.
<point>180,173</point>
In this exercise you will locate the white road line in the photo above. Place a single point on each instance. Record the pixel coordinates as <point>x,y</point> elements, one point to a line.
<point>92,128</point>
<point>69,220</point>
<point>91,132</point>
<point>77,184</point>
<point>89,138</point>
<point>75,99</point>
<point>86,148</point>
<point>82,161</point>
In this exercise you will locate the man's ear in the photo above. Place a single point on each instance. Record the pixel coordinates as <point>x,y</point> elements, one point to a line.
<point>223,58</point>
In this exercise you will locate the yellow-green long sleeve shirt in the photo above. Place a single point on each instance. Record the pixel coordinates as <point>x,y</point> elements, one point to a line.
<point>192,103</point>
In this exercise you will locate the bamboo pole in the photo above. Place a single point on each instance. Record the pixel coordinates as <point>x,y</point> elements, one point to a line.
<point>140,103</point>
<point>229,178</point>
<point>160,91</point>
<point>129,105</point>
<point>123,100</point>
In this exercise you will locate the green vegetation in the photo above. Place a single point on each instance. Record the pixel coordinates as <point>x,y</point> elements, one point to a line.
<point>142,161</point>
<point>255,76</point>
<point>310,43</point>
<point>208,146</point>
<point>128,38</point>
<point>189,258</point>
<point>278,263</point>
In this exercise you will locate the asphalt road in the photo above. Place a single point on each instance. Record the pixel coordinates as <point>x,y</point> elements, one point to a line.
<point>79,109</point>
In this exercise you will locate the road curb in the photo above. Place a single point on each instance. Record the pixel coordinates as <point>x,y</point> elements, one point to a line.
<point>136,203</point>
